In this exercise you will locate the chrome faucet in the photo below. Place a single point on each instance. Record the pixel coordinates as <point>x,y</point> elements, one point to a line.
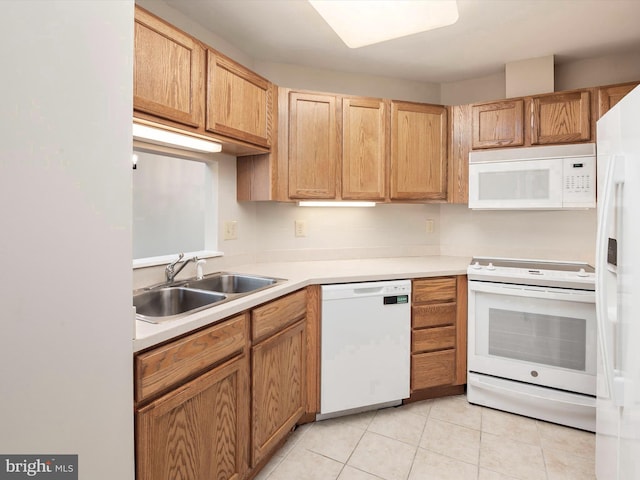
<point>170,270</point>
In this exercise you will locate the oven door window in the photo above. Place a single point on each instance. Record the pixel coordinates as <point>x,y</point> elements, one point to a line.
<point>558,341</point>
<point>520,335</point>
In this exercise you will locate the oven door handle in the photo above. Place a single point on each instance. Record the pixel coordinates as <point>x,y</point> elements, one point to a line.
<point>547,293</point>
<point>488,386</point>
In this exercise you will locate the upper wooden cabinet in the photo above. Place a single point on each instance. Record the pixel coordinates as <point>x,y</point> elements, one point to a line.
<point>364,149</point>
<point>561,118</point>
<point>498,124</point>
<point>418,151</point>
<point>313,146</point>
<point>168,69</point>
<point>182,85</point>
<point>610,95</point>
<point>239,102</point>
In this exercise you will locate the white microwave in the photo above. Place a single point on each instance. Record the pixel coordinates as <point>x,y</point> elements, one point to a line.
<point>534,178</point>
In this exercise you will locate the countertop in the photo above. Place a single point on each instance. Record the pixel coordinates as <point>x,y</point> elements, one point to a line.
<point>300,275</point>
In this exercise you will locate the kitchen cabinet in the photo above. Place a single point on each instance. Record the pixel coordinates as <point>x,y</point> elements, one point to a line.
<point>459,148</point>
<point>498,124</point>
<point>313,146</point>
<point>438,335</point>
<point>609,95</point>
<point>182,85</point>
<point>239,102</point>
<point>418,152</point>
<point>168,67</point>
<point>364,148</point>
<point>278,364</point>
<point>561,118</point>
<point>199,425</point>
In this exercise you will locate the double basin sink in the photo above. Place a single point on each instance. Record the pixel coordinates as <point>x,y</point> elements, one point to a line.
<point>170,301</point>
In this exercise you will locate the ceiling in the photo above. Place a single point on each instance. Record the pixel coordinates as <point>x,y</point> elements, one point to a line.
<point>488,34</point>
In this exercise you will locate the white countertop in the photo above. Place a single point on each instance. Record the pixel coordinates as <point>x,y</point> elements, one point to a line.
<point>300,275</point>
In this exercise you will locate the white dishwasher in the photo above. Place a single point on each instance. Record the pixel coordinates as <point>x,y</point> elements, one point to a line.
<point>365,346</point>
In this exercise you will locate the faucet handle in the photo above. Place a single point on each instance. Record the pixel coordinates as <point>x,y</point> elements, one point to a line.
<point>199,265</point>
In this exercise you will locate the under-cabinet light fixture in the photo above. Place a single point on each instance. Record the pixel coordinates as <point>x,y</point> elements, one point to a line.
<point>173,139</point>
<point>313,203</point>
<point>365,22</point>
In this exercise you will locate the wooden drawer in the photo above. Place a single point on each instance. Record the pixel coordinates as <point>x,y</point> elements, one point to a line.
<point>164,367</point>
<point>434,290</point>
<point>429,339</point>
<point>274,316</point>
<point>433,369</point>
<point>433,315</point>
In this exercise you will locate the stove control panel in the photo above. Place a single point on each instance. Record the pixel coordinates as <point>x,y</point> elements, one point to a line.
<point>533,272</point>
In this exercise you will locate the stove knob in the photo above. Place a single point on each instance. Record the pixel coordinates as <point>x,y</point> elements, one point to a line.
<point>477,266</point>
<point>582,273</point>
<point>490,266</point>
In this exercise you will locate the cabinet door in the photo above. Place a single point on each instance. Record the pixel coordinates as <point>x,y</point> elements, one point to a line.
<point>313,146</point>
<point>278,387</point>
<point>168,71</point>
<point>198,431</point>
<point>609,96</point>
<point>561,118</point>
<point>418,151</point>
<point>239,102</point>
<point>498,124</point>
<point>364,149</point>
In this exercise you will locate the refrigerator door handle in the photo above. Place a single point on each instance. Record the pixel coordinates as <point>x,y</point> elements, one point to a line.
<point>602,308</point>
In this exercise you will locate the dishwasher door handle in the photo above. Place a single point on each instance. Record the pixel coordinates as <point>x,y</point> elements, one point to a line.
<point>368,291</point>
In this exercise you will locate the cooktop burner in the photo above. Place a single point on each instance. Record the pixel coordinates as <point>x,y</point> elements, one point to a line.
<point>533,272</point>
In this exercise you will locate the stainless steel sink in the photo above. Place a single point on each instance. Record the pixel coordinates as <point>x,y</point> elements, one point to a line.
<point>169,301</point>
<point>232,283</point>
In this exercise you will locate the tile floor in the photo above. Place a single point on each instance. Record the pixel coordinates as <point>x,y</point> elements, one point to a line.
<point>439,439</point>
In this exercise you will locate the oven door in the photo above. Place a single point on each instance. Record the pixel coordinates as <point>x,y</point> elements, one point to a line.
<point>539,335</point>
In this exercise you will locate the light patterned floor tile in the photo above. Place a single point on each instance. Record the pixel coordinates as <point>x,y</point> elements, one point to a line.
<point>564,466</point>
<point>508,425</point>
<point>383,456</point>
<point>452,440</point>
<point>431,465</point>
<point>571,440</point>
<point>504,455</point>
<point>457,410</point>
<point>301,463</point>
<point>419,408</point>
<point>485,474</point>
<point>399,424</point>
<point>357,420</point>
<point>333,439</point>
<point>350,473</point>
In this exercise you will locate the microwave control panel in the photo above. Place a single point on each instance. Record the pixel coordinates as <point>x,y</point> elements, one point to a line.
<point>579,181</point>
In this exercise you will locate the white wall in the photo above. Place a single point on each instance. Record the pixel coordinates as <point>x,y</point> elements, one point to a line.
<point>335,233</point>
<point>65,204</point>
<point>305,78</point>
<point>560,235</point>
<point>569,75</point>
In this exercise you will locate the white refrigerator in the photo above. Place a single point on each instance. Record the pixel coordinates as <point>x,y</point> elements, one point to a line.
<point>618,292</point>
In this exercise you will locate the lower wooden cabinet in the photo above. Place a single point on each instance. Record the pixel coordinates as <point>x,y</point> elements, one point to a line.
<point>199,430</point>
<point>438,332</point>
<point>278,372</point>
<point>277,388</point>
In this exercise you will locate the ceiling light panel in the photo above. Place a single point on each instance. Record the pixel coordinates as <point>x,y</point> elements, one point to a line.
<point>365,22</point>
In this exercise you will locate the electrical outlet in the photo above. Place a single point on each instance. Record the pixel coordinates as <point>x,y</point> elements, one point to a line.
<point>231,230</point>
<point>429,226</point>
<point>300,227</point>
